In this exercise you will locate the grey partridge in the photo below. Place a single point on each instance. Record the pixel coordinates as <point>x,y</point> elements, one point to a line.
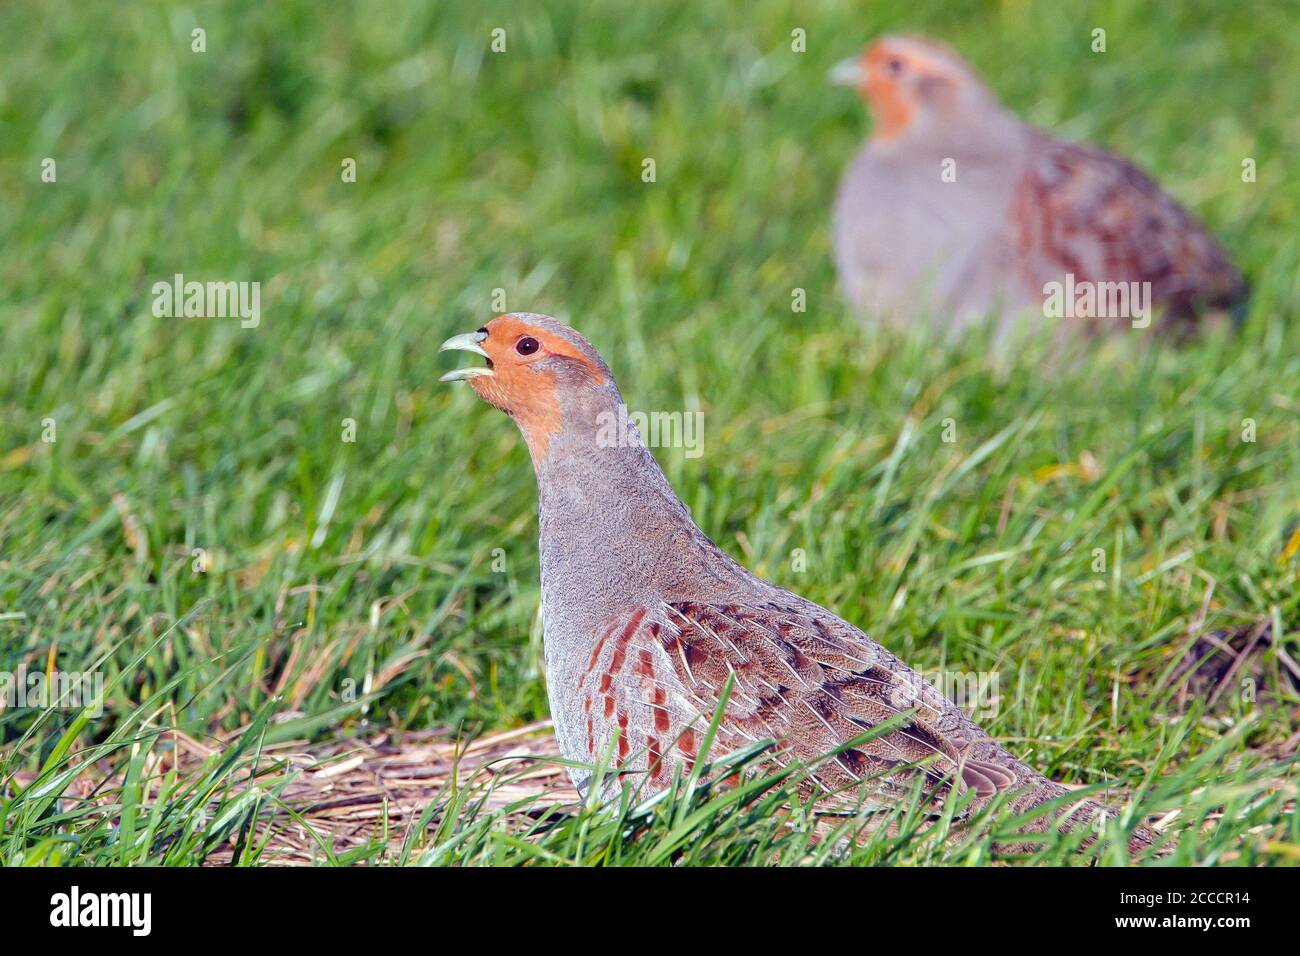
<point>645,619</point>
<point>954,210</point>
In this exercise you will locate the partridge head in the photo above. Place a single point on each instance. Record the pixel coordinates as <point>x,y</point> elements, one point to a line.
<point>920,93</point>
<point>648,627</point>
<point>539,371</point>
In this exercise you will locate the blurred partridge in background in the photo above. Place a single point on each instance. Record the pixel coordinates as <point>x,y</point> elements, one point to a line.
<point>1022,209</point>
<point>645,619</point>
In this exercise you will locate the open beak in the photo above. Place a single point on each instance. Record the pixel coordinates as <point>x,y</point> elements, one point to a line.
<point>846,72</point>
<point>469,342</point>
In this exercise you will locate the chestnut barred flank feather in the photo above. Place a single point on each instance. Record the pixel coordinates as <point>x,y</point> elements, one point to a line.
<point>809,682</point>
<point>1083,211</point>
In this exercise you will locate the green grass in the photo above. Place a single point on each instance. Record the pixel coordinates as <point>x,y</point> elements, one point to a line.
<point>369,565</point>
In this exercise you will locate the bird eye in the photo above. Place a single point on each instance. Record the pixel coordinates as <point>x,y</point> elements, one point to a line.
<point>527,345</point>
<point>894,65</point>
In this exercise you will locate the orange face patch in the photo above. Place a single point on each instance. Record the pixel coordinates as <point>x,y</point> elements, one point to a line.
<point>890,104</point>
<point>517,387</point>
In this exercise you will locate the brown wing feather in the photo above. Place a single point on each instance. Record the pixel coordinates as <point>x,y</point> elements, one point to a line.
<point>1081,210</point>
<point>807,680</point>
<point>811,683</point>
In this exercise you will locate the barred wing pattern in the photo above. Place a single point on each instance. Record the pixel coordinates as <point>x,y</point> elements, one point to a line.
<point>1081,210</point>
<point>803,678</point>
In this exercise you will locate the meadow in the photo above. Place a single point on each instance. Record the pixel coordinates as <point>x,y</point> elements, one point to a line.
<point>293,532</point>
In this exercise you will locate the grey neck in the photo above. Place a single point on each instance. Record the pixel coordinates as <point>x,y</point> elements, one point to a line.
<point>609,520</point>
<point>598,472</point>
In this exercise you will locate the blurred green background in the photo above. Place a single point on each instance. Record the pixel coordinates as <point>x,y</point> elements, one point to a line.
<point>335,565</point>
